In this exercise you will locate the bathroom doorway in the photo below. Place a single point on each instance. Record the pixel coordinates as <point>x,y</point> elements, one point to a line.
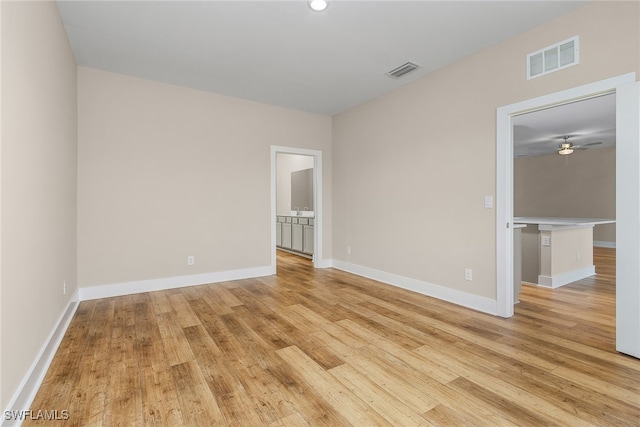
<point>298,206</point>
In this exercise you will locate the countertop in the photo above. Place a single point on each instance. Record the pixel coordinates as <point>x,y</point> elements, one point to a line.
<point>551,223</point>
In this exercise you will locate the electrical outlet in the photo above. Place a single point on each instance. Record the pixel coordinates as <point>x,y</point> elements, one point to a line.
<point>64,287</point>
<point>468,274</point>
<point>348,250</point>
<point>578,256</point>
<point>191,260</point>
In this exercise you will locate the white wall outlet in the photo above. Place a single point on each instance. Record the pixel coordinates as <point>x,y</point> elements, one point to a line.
<point>191,260</point>
<point>64,287</point>
<point>468,274</point>
<point>348,250</point>
<point>546,240</point>
<point>578,256</point>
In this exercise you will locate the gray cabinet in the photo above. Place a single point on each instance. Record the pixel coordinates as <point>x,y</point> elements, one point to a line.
<point>307,232</point>
<point>295,234</point>
<point>286,236</point>
<point>278,234</point>
<point>296,237</point>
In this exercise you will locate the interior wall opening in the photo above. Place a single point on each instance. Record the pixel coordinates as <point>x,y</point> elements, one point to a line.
<point>296,203</point>
<point>295,215</point>
<point>627,92</point>
<point>564,190</point>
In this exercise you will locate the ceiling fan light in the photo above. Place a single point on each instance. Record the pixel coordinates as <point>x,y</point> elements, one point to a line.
<point>565,147</point>
<point>318,5</point>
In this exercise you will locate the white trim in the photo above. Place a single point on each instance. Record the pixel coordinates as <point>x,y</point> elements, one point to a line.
<point>150,285</point>
<point>566,278</point>
<point>604,244</point>
<point>324,263</point>
<point>26,392</point>
<point>475,302</point>
<point>628,226</point>
<point>318,260</point>
<point>504,175</point>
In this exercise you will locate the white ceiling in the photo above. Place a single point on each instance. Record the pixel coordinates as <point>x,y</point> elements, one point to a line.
<point>284,54</point>
<point>585,122</point>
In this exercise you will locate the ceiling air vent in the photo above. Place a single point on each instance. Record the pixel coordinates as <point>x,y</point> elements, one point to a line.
<point>403,70</point>
<point>553,58</point>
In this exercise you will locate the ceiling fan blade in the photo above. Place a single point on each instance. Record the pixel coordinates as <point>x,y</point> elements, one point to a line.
<point>587,146</point>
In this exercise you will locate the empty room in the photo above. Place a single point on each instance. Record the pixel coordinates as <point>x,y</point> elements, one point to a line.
<point>248,213</point>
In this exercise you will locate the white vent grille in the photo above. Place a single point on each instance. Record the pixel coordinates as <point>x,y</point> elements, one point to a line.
<point>403,70</point>
<point>553,58</point>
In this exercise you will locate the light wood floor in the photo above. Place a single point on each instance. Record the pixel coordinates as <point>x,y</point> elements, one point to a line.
<point>322,347</point>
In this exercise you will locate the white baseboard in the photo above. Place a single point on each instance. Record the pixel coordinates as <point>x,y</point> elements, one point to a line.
<point>150,285</point>
<point>483,304</point>
<point>566,278</point>
<point>323,263</point>
<point>26,392</point>
<point>603,244</point>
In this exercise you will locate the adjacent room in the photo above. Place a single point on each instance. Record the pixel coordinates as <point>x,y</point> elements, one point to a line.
<point>565,184</point>
<point>275,213</point>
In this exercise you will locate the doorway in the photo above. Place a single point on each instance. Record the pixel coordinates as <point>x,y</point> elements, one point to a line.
<point>316,156</point>
<point>575,182</point>
<point>627,200</point>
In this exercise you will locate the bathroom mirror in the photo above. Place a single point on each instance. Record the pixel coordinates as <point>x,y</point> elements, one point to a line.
<point>302,190</point>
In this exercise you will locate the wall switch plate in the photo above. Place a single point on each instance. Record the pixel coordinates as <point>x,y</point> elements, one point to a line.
<point>191,260</point>
<point>545,240</point>
<point>488,202</point>
<point>468,274</point>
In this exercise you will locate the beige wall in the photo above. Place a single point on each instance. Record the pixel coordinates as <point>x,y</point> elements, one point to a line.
<point>287,163</point>
<point>167,172</point>
<point>530,254</point>
<point>39,148</point>
<point>412,167</point>
<point>582,185</point>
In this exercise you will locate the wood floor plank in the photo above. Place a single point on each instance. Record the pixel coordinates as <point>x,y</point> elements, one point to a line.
<point>490,383</point>
<point>443,416</point>
<point>294,420</point>
<point>193,393</point>
<point>88,404</point>
<point>185,315</point>
<point>380,400</point>
<point>338,396</point>
<point>123,371</point>
<point>174,342</point>
<point>314,347</point>
<point>414,392</point>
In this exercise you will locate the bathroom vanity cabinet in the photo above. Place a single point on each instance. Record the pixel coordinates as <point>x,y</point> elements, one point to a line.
<point>295,234</point>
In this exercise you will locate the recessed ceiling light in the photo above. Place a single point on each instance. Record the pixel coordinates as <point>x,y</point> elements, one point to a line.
<point>318,5</point>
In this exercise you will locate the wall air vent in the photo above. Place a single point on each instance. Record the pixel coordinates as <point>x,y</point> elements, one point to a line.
<point>402,70</point>
<point>553,58</point>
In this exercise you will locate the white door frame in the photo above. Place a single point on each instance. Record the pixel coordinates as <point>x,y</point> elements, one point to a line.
<point>628,219</point>
<point>317,201</point>
<point>504,177</point>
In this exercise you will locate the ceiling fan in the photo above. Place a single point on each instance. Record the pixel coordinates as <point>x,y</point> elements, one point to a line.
<point>567,147</point>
